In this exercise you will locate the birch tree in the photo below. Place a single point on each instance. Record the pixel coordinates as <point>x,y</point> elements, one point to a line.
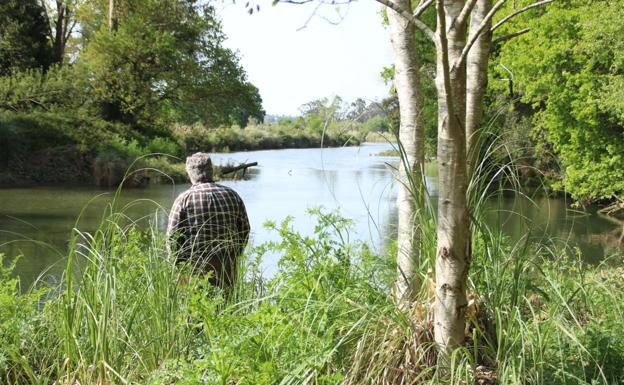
<point>476,77</point>
<point>463,37</point>
<point>410,195</point>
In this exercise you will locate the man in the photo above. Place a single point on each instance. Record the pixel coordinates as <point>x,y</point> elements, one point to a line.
<point>208,225</point>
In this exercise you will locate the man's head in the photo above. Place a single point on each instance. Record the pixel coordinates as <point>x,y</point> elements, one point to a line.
<point>199,168</point>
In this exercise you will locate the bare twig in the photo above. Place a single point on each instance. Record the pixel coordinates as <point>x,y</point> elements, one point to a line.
<point>320,3</point>
<point>521,10</point>
<point>299,2</point>
<point>509,36</point>
<point>407,14</point>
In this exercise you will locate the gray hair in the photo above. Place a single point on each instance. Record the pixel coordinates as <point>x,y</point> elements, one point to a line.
<point>199,168</point>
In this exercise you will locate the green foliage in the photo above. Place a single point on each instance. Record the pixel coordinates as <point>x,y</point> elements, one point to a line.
<point>127,313</point>
<point>569,69</point>
<point>377,124</point>
<point>269,136</point>
<point>23,36</point>
<point>163,146</point>
<point>120,89</point>
<point>59,89</point>
<point>163,62</point>
<point>21,133</point>
<point>18,315</point>
<point>121,149</point>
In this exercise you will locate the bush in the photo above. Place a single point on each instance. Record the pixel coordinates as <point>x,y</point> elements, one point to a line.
<point>163,146</point>
<point>19,316</point>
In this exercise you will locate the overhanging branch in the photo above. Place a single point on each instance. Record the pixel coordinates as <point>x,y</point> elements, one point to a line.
<point>509,36</point>
<point>521,10</point>
<point>488,18</point>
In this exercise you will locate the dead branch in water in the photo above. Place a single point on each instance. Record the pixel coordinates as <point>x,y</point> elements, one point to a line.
<point>613,208</point>
<point>244,166</point>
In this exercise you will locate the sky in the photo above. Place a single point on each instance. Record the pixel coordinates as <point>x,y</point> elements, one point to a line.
<point>294,56</point>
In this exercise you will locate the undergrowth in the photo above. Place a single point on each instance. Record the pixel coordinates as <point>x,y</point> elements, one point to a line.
<point>127,314</point>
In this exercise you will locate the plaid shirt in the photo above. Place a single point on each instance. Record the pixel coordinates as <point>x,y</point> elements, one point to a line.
<point>208,224</point>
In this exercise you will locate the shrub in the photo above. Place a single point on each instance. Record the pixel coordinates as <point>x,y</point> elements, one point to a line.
<point>163,146</point>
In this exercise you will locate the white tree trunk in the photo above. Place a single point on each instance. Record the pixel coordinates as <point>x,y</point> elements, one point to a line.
<point>411,135</point>
<point>453,248</point>
<point>476,80</point>
<point>460,110</point>
<point>111,12</point>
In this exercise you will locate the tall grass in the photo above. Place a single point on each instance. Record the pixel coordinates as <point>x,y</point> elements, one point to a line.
<point>537,314</point>
<point>125,313</point>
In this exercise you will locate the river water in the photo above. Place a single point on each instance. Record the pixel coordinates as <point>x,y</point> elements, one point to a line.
<point>36,222</point>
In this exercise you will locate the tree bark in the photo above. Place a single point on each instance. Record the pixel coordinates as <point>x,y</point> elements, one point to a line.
<point>411,136</point>
<point>111,11</point>
<point>453,252</point>
<point>60,26</point>
<point>476,80</point>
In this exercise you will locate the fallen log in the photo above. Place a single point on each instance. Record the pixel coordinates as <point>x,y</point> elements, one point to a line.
<point>244,166</point>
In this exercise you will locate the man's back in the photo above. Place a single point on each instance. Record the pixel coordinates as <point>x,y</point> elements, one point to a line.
<point>209,225</point>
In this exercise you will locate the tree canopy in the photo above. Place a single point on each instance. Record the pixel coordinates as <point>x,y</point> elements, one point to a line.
<point>23,36</point>
<point>153,64</point>
<point>570,70</point>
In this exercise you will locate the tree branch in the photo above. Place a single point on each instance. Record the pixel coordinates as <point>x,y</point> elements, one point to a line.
<point>422,7</point>
<point>442,49</point>
<point>475,35</point>
<point>70,30</point>
<point>521,10</point>
<point>411,18</point>
<point>465,12</point>
<point>299,2</point>
<point>509,36</point>
<point>407,14</point>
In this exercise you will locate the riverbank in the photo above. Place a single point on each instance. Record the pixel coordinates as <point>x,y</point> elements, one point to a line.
<point>100,154</point>
<point>536,314</point>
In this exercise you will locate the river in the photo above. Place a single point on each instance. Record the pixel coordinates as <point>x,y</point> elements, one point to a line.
<point>36,222</point>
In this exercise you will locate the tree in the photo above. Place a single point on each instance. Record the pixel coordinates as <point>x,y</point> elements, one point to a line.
<point>23,36</point>
<point>410,195</point>
<point>164,62</point>
<point>324,109</point>
<point>569,72</point>
<point>453,40</point>
<point>357,110</point>
<point>61,20</point>
<point>476,78</point>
